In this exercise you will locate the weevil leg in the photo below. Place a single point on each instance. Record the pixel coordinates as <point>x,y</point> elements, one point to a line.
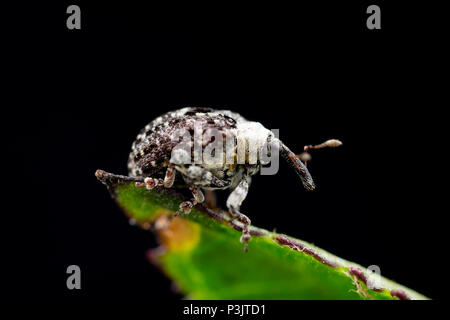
<point>234,202</point>
<point>151,183</point>
<point>170,176</point>
<point>111,178</point>
<point>186,206</point>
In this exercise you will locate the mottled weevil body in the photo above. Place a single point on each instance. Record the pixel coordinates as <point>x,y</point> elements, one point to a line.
<point>155,156</point>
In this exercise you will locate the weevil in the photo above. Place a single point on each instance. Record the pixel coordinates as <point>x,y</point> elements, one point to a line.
<point>155,156</point>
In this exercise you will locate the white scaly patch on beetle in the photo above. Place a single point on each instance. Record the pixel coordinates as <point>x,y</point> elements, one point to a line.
<point>252,138</point>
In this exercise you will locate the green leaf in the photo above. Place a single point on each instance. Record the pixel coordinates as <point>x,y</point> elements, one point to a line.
<point>202,254</point>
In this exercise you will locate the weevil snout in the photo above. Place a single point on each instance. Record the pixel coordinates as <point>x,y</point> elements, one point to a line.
<point>299,162</point>
<point>298,166</point>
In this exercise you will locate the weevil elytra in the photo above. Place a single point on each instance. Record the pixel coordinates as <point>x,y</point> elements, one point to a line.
<point>172,151</point>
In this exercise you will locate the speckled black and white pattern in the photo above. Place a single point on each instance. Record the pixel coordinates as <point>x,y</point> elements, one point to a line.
<point>153,152</point>
<point>152,149</point>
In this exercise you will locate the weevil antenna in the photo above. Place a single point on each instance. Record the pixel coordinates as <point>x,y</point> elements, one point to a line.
<point>332,143</point>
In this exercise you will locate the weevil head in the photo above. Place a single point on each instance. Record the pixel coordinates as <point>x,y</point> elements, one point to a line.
<point>253,133</point>
<point>260,146</point>
<point>253,140</point>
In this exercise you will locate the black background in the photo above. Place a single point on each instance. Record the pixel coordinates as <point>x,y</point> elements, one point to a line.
<point>313,71</point>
